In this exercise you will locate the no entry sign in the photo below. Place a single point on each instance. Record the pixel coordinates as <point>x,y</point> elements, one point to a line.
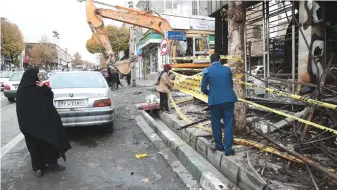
<point>164,46</point>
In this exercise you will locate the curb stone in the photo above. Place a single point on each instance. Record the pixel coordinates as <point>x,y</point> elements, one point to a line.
<point>202,171</point>
<point>230,169</point>
<point>170,158</point>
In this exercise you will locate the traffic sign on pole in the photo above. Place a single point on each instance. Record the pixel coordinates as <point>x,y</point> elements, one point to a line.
<point>164,46</point>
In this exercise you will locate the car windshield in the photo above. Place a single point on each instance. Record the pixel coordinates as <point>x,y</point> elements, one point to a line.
<point>6,74</point>
<point>16,76</point>
<point>77,80</point>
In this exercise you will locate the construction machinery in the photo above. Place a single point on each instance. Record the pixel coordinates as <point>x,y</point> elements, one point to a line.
<point>182,54</point>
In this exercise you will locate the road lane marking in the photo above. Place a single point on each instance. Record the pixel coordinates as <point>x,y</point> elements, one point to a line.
<point>11,144</point>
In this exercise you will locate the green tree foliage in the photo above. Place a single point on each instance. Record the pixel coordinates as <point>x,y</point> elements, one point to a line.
<point>43,53</point>
<point>118,36</point>
<point>93,46</point>
<point>11,40</point>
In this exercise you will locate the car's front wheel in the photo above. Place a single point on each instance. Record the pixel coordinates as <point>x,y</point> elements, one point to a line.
<point>11,99</point>
<point>109,127</point>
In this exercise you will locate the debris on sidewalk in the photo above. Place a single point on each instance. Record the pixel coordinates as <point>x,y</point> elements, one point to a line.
<point>137,93</point>
<point>146,180</point>
<point>274,169</point>
<point>151,99</point>
<point>138,156</point>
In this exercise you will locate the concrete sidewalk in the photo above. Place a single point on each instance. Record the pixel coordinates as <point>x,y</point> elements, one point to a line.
<point>140,82</point>
<point>202,171</point>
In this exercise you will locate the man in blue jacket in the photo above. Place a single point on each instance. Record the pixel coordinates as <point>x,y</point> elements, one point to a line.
<point>221,99</point>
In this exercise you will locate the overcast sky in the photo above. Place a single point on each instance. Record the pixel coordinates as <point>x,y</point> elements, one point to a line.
<point>40,17</point>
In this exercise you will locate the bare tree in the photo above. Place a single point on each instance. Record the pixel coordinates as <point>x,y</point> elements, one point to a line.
<point>77,60</point>
<point>44,53</point>
<point>236,22</point>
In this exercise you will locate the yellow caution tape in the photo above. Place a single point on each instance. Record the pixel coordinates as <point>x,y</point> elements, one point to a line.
<point>243,142</point>
<point>184,100</point>
<point>296,97</point>
<point>191,85</point>
<point>196,79</point>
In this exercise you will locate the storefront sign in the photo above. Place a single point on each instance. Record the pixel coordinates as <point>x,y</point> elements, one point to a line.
<point>184,23</point>
<point>176,35</point>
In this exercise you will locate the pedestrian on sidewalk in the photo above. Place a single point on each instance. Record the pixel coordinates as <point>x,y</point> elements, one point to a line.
<point>109,76</point>
<point>118,78</point>
<point>221,99</point>
<point>40,123</point>
<point>115,78</point>
<point>163,86</point>
<point>128,78</point>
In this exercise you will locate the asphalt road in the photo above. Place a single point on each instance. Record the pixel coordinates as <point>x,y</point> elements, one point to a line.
<point>97,160</point>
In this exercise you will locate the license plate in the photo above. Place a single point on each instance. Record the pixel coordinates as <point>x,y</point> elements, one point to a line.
<point>71,103</point>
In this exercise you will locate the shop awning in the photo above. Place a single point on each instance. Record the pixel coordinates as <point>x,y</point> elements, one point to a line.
<point>148,39</point>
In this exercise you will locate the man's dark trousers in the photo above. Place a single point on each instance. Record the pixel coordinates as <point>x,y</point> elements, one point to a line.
<point>223,111</point>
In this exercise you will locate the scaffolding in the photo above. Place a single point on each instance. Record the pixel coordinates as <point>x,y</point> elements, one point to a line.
<point>271,46</point>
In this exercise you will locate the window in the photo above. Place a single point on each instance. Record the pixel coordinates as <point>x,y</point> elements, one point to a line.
<point>257,32</point>
<point>16,76</point>
<point>168,4</point>
<point>175,4</point>
<point>194,7</point>
<point>6,74</point>
<point>201,45</point>
<point>77,80</point>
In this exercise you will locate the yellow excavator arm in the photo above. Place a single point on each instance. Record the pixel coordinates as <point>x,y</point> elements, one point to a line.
<point>127,15</point>
<point>96,25</point>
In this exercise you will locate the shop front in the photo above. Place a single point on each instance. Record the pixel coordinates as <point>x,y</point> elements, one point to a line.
<point>148,49</point>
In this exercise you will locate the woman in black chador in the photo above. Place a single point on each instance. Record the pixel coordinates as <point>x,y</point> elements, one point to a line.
<point>40,123</point>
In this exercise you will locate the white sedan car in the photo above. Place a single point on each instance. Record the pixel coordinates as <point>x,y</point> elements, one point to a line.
<point>11,86</point>
<point>4,77</point>
<point>83,99</point>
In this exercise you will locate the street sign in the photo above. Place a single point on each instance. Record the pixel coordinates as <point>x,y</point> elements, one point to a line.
<point>176,35</point>
<point>164,46</point>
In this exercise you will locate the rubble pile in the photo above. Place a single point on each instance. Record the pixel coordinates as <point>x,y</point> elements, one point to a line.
<point>280,173</point>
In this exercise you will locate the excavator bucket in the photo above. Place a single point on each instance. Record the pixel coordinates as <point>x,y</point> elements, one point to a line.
<point>125,66</point>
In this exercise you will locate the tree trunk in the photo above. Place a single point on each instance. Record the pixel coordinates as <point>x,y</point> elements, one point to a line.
<point>236,22</point>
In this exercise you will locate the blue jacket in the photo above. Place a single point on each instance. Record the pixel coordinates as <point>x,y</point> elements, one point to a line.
<point>220,81</point>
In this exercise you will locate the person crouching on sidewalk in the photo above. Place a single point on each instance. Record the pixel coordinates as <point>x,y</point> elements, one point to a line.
<point>163,86</point>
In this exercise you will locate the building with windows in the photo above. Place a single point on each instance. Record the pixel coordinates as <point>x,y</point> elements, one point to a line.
<point>182,15</point>
<point>290,39</point>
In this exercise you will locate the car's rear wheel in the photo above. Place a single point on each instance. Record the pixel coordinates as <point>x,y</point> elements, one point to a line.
<point>11,99</point>
<point>109,127</point>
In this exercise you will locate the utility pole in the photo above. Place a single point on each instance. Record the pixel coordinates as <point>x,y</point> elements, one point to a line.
<point>67,57</point>
<point>132,51</point>
<point>56,36</point>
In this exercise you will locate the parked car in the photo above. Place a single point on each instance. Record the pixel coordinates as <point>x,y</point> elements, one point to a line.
<point>4,77</point>
<point>11,86</point>
<point>256,71</point>
<point>83,99</point>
